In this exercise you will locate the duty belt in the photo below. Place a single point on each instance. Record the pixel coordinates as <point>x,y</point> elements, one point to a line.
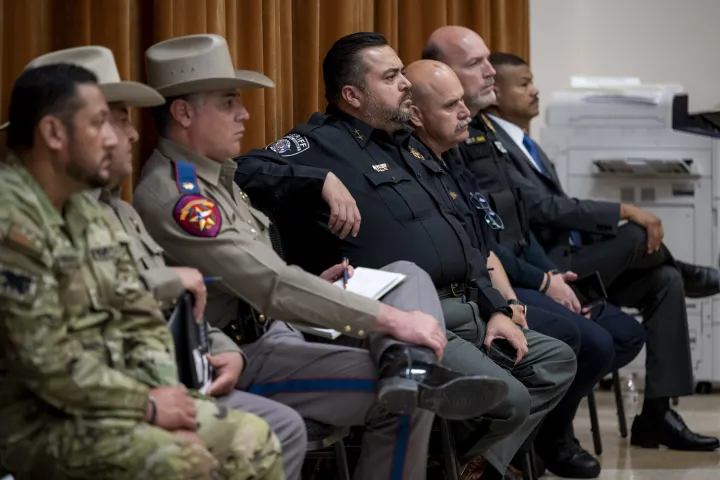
<point>248,327</point>
<point>451,290</point>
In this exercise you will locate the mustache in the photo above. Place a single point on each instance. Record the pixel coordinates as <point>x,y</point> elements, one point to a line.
<point>407,95</point>
<point>462,124</point>
<point>489,82</point>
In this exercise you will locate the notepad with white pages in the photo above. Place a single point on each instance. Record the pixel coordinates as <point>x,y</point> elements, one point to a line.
<point>367,282</point>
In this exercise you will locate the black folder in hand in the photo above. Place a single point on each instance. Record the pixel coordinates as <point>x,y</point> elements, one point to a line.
<point>191,345</point>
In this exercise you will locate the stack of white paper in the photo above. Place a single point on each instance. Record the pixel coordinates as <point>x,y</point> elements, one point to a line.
<point>367,282</point>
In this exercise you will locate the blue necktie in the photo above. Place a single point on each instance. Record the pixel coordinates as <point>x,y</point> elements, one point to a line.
<point>532,150</point>
<point>575,238</point>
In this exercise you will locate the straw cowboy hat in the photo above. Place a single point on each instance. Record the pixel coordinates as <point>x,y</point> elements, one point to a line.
<point>101,61</point>
<point>197,64</point>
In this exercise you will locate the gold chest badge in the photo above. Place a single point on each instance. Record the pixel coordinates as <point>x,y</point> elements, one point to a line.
<point>416,153</point>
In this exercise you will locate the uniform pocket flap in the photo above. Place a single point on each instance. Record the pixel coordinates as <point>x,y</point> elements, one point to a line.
<point>389,176</point>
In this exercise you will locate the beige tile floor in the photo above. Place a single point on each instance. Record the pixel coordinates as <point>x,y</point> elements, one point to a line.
<point>620,461</point>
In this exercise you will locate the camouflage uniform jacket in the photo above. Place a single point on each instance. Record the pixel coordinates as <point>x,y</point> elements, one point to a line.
<point>80,335</point>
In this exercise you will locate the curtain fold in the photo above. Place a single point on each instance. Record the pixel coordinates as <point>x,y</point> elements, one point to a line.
<point>284,39</point>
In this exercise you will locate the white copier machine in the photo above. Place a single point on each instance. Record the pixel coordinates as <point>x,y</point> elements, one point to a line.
<point>639,144</point>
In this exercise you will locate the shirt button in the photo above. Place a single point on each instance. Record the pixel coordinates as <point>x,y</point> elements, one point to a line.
<point>419,175</point>
<point>261,318</point>
<point>392,178</point>
<point>252,230</point>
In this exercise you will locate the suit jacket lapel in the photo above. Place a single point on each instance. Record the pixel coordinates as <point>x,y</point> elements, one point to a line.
<point>520,158</point>
<point>549,167</point>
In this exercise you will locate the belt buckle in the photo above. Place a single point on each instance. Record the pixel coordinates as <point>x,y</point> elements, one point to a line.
<point>452,289</point>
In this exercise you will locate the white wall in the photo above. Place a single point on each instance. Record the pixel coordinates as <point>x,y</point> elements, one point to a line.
<point>658,41</point>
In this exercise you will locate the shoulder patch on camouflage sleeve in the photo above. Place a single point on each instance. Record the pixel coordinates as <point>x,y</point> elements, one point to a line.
<point>289,145</point>
<point>17,285</point>
<point>25,238</point>
<point>198,216</point>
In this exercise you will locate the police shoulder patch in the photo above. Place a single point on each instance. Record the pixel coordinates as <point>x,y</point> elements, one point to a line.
<point>198,216</point>
<point>291,144</point>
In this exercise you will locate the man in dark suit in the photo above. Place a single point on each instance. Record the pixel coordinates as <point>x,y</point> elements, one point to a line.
<point>637,268</point>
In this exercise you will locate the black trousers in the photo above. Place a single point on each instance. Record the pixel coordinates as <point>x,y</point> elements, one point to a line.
<point>652,284</point>
<point>601,345</point>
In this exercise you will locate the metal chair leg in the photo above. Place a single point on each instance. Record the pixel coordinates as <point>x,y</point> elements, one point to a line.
<point>452,467</point>
<point>341,461</point>
<point>620,405</point>
<point>594,424</point>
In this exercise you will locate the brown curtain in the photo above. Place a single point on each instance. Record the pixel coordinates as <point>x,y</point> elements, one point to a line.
<point>285,39</point>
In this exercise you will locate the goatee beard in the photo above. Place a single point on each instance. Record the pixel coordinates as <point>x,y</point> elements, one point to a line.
<point>384,115</point>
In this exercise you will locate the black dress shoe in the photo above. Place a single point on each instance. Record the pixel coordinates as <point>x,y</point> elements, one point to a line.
<point>568,459</point>
<point>700,282</point>
<point>669,430</point>
<point>411,378</point>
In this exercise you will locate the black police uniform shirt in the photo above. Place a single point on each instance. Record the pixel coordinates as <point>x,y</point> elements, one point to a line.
<point>403,217</point>
<point>483,155</point>
<point>480,164</point>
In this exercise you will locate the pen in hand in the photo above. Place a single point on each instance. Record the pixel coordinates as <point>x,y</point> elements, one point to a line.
<point>345,272</point>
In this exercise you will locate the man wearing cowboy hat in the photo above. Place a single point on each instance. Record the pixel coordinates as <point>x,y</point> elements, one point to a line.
<point>192,207</point>
<point>128,418</point>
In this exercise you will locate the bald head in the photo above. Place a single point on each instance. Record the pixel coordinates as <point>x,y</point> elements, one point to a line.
<point>447,41</point>
<point>466,53</point>
<point>439,117</point>
<point>430,78</point>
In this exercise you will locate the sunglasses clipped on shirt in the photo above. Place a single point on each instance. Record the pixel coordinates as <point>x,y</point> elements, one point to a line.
<point>478,201</point>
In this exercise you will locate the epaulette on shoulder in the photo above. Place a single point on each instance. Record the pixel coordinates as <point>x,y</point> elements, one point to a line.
<point>186,178</point>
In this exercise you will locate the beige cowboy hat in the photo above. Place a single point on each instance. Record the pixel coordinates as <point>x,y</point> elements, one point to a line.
<point>101,61</point>
<point>197,64</point>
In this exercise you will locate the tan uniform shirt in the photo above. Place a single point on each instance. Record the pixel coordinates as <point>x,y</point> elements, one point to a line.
<point>219,233</point>
<point>160,279</point>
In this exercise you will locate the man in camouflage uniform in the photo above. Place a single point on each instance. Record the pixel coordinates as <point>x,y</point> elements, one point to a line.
<point>168,283</point>
<point>88,381</point>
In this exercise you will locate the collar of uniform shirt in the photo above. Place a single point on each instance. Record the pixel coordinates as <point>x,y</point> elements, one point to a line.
<point>477,123</point>
<point>207,169</point>
<point>103,194</point>
<point>51,217</point>
<point>362,132</point>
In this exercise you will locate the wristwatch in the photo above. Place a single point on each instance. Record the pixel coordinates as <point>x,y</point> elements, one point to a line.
<point>515,301</point>
<point>153,410</point>
<point>507,311</point>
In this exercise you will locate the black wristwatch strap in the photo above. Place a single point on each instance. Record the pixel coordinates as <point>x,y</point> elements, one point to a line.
<point>547,284</point>
<point>507,311</point>
<point>153,410</point>
<point>515,301</point>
